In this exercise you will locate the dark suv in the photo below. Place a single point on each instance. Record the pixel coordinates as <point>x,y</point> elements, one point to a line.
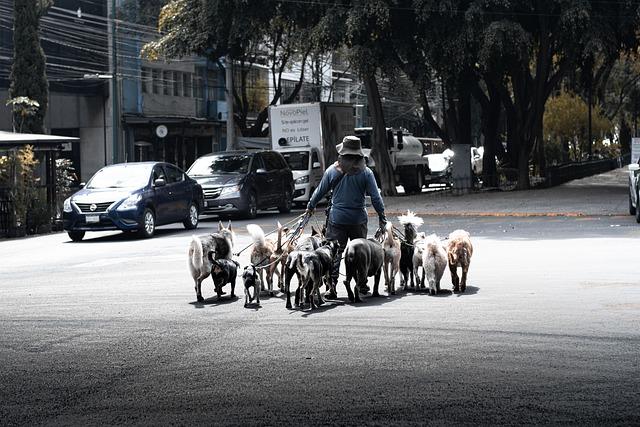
<point>243,182</point>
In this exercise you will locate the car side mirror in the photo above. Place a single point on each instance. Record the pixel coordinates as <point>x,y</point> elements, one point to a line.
<point>261,171</point>
<point>160,182</point>
<point>82,184</point>
<point>634,167</point>
<point>315,165</point>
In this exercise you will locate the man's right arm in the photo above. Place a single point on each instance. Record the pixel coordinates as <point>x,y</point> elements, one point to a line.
<point>322,189</point>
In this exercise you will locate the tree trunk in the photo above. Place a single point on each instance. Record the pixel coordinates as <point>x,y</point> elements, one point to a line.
<point>379,151</point>
<point>523,166</point>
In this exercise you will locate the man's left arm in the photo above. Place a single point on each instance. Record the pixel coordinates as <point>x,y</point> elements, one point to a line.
<point>376,198</point>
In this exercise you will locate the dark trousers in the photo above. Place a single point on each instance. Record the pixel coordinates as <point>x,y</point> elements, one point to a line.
<point>342,233</point>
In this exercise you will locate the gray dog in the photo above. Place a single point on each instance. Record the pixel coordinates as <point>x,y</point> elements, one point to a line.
<point>363,258</point>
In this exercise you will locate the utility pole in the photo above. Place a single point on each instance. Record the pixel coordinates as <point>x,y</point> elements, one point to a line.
<point>231,140</point>
<point>113,69</point>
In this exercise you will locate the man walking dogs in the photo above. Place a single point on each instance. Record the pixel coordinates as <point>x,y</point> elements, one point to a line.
<point>351,180</point>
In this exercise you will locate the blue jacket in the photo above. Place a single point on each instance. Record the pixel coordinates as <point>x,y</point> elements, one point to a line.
<point>348,200</point>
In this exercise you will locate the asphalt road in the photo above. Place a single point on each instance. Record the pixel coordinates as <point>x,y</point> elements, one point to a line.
<point>107,331</point>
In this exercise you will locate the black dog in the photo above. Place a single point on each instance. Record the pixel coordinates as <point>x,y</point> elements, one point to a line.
<point>224,271</point>
<point>363,258</point>
<point>251,280</point>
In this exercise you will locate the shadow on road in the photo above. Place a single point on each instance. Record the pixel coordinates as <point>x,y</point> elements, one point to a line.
<point>214,301</point>
<point>471,290</point>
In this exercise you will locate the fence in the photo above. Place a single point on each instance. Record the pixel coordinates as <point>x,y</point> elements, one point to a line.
<point>557,175</point>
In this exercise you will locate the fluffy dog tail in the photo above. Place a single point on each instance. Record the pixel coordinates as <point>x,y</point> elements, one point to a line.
<point>256,234</point>
<point>196,253</point>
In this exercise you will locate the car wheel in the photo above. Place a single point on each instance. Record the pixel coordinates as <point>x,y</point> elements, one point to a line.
<point>148,224</point>
<point>286,204</point>
<point>76,236</point>
<point>192,219</point>
<point>632,209</point>
<point>252,206</point>
<point>637,211</point>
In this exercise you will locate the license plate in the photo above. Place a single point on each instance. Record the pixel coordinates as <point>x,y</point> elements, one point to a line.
<point>92,218</point>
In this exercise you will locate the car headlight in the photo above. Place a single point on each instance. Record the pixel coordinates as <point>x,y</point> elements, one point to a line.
<point>67,205</point>
<point>230,190</point>
<point>130,202</point>
<point>302,180</point>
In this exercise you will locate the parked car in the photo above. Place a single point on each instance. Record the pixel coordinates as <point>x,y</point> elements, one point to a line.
<point>634,187</point>
<point>133,197</point>
<point>243,182</point>
<point>440,167</point>
<point>476,160</point>
<point>306,169</point>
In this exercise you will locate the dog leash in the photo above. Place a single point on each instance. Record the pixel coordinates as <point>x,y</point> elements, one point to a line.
<point>295,235</point>
<point>271,232</point>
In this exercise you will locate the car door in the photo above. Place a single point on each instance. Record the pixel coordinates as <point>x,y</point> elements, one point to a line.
<point>273,177</point>
<point>179,192</point>
<point>161,197</point>
<point>260,183</point>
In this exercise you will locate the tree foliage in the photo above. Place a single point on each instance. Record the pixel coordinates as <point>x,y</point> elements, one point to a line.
<point>28,76</point>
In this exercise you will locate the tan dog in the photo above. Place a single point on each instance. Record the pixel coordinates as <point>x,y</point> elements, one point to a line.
<point>392,254</point>
<point>265,255</point>
<point>459,251</point>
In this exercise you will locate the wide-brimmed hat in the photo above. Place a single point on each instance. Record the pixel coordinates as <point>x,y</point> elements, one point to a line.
<point>350,145</point>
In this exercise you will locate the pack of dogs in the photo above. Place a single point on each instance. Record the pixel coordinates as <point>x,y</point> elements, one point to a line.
<point>419,259</point>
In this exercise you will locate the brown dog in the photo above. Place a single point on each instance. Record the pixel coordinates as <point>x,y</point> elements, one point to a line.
<point>459,251</point>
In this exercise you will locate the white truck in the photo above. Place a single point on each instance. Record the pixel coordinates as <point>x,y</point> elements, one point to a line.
<point>410,166</point>
<point>306,135</point>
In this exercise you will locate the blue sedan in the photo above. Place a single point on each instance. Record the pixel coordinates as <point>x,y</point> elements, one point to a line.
<point>133,197</point>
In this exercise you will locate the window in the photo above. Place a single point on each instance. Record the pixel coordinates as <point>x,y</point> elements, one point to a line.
<point>158,173</point>
<point>314,158</point>
<point>257,163</point>
<point>173,174</point>
<point>167,82</point>
<point>186,84</point>
<point>145,78</point>
<point>177,83</point>
<point>155,77</point>
<point>212,85</point>
<point>271,161</point>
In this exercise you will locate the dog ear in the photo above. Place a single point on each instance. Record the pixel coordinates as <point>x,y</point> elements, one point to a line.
<point>229,225</point>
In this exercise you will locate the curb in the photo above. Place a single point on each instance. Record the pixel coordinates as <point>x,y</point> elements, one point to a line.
<point>499,214</point>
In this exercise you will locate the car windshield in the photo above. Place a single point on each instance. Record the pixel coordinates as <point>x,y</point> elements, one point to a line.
<point>297,160</point>
<point>121,176</point>
<point>211,165</point>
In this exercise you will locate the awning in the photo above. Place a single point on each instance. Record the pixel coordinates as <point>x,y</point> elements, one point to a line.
<point>9,140</point>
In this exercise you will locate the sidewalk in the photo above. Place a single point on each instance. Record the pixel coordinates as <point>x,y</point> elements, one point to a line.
<point>598,195</point>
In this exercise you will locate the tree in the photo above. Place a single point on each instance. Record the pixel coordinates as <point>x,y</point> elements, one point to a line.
<point>274,35</point>
<point>28,75</point>
<point>22,108</point>
<point>529,47</point>
<point>565,127</point>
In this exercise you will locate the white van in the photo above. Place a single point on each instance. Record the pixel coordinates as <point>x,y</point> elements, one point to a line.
<point>307,171</point>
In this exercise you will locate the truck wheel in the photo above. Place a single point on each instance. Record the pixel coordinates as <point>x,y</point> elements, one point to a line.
<point>285,207</point>
<point>637,209</point>
<point>76,236</point>
<point>252,206</point>
<point>411,179</point>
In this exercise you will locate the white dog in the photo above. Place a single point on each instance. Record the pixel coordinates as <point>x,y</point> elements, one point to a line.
<point>206,247</point>
<point>418,248</point>
<point>434,262</point>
